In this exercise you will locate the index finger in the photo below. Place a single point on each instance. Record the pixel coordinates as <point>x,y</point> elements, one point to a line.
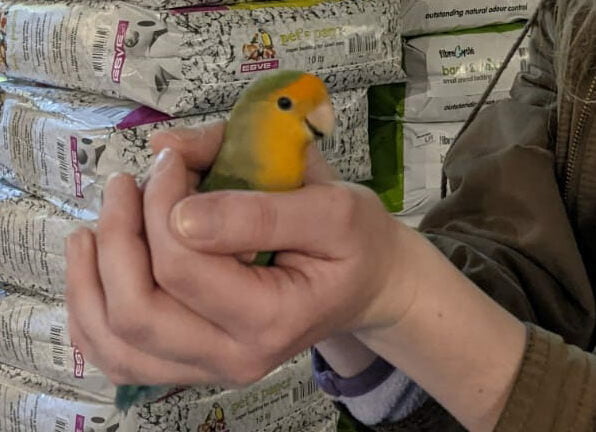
<point>197,146</point>
<point>179,269</point>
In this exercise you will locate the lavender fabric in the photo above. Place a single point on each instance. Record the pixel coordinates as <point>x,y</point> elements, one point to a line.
<point>378,394</point>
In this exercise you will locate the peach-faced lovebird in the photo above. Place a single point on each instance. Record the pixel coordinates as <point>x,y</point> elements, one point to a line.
<point>265,146</point>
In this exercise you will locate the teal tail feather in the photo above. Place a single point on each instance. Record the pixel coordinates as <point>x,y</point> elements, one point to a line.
<point>129,395</point>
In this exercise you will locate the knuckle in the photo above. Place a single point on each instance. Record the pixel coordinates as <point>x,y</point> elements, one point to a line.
<point>106,233</point>
<point>265,217</point>
<point>249,219</point>
<point>244,365</point>
<point>365,194</point>
<point>126,368</point>
<point>118,373</point>
<point>105,223</point>
<point>129,327</point>
<point>114,367</point>
<point>70,296</point>
<point>344,204</point>
<point>247,374</point>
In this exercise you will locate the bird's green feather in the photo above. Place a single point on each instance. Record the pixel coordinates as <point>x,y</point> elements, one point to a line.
<point>222,176</point>
<point>217,181</point>
<point>263,87</point>
<point>129,395</point>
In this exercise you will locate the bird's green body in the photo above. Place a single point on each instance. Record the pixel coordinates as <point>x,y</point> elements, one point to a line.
<point>264,148</point>
<point>215,181</point>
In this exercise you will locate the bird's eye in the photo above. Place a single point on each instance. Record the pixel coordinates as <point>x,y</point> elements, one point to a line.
<point>284,103</point>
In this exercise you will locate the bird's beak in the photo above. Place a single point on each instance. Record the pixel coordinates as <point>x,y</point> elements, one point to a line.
<point>321,120</point>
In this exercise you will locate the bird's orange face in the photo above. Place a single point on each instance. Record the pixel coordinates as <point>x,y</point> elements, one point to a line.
<point>296,115</point>
<point>307,101</point>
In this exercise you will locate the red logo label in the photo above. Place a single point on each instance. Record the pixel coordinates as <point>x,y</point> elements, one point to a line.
<point>79,423</point>
<point>79,363</point>
<point>74,159</point>
<point>259,66</point>
<point>119,51</point>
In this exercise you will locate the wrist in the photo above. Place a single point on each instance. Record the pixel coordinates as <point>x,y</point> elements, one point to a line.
<point>402,266</point>
<point>346,355</point>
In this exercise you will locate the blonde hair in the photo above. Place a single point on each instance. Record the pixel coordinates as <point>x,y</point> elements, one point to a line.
<point>575,47</point>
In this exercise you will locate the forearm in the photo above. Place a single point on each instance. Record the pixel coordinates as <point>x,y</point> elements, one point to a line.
<point>454,341</point>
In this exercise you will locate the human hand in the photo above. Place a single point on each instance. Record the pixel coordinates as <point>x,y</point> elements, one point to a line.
<point>345,353</point>
<point>182,309</point>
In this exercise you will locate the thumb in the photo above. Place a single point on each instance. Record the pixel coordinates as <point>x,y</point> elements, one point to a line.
<point>317,168</point>
<point>312,220</point>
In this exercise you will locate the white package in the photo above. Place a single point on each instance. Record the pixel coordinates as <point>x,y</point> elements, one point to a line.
<point>437,16</point>
<point>449,73</point>
<point>62,145</point>
<point>424,148</point>
<point>282,401</point>
<point>287,390</point>
<point>32,403</point>
<point>166,4</point>
<point>319,416</point>
<point>197,60</point>
<point>32,233</point>
<point>35,339</point>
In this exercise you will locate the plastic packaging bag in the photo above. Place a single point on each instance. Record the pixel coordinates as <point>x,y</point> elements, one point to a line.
<point>35,338</point>
<point>32,233</point>
<point>437,16</point>
<point>448,73</point>
<point>406,157</point>
<point>279,400</point>
<point>32,403</point>
<point>62,145</point>
<point>197,60</point>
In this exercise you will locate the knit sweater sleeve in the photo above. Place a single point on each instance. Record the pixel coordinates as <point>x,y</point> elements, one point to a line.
<point>555,389</point>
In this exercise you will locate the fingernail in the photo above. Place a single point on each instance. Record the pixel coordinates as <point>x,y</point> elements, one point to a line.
<point>164,134</point>
<point>196,219</point>
<point>162,160</point>
<point>112,178</point>
<point>111,181</point>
